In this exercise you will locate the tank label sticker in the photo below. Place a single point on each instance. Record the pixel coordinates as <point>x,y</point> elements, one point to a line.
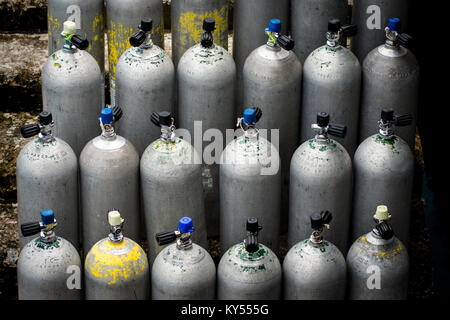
<point>190,26</point>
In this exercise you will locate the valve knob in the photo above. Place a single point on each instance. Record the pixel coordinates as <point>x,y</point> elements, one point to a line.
<point>209,24</point>
<point>146,24</point>
<point>334,25</point>
<point>387,115</point>
<point>318,220</point>
<point>45,118</point>
<point>30,228</point>
<point>403,120</point>
<point>117,113</point>
<point>404,39</point>
<point>164,238</point>
<point>161,118</point>
<point>285,42</point>
<point>385,230</point>
<point>337,130</point>
<point>394,24</point>
<point>323,119</point>
<point>252,225</point>
<point>79,42</point>
<point>138,38</point>
<point>252,115</point>
<point>30,130</point>
<point>349,30</point>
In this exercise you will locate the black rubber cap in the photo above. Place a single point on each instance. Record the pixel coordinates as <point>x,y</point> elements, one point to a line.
<point>117,113</point>
<point>337,130</point>
<point>165,118</point>
<point>209,24</point>
<point>45,118</point>
<point>146,24</point>
<point>30,130</point>
<point>138,38</point>
<point>252,225</point>
<point>320,219</point>
<point>403,120</point>
<point>334,25</point>
<point>349,30</point>
<point>80,42</point>
<point>164,238</point>
<point>285,42</point>
<point>323,119</point>
<point>251,243</point>
<point>405,39</point>
<point>385,230</point>
<point>387,115</point>
<point>30,229</point>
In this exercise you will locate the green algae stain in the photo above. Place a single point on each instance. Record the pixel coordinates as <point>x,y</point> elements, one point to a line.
<point>47,245</point>
<point>390,142</point>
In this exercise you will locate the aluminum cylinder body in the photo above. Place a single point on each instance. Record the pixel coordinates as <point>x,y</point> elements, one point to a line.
<point>122,20</point>
<point>44,271</point>
<point>332,83</point>
<point>390,79</point>
<point>250,186</point>
<point>47,177</point>
<point>145,84</point>
<point>72,92</point>
<point>309,19</point>
<point>314,272</point>
<point>384,172</point>
<point>109,178</point>
<point>171,181</point>
<point>183,274</point>
<point>89,18</point>
<point>206,87</point>
<point>321,179</point>
<point>377,269</point>
<point>116,271</point>
<point>371,17</point>
<point>248,34</point>
<point>272,82</point>
<point>242,275</point>
<point>187,20</point>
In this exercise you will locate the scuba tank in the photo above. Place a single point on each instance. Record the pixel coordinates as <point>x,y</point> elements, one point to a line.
<point>378,263</point>
<point>121,19</point>
<point>384,172</point>
<point>321,177</point>
<point>250,184</point>
<point>145,82</point>
<point>89,18</point>
<point>206,83</point>
<point>390,80</point>
<point>183,270</point>
<point>171,182</point>
<point>371,16</point>
<point>247,35</point>
<point>187,18</point>
<point>47,176</point>
<point>109,176</point>
<point>272,82</point>
<point>332,83</point>
<point>308,21</point>
<point>72,89</point>
<point>315,269</point>
<point>249,270</point>
<point>116,267</point>
<point>49,267</point>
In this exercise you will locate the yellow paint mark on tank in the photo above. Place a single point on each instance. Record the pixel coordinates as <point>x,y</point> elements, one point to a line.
<point>158,31</point>
<point>104,263</point>
<point>118,43</point>
<point>191,24</point>
<point>53,24</point>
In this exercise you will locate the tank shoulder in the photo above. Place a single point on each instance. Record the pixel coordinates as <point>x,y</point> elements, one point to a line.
<point>136,58</point>
<point>173,258</point>
<point>206,57</point>
<point>113,262</point>
<point>322,152</point>
<point>79,63</point>
<point>380,147</point>
<point>118,144</point>
<point>395,64</point>
<point>55,151</point>
<point>160,153</point>
<point>332,64</point>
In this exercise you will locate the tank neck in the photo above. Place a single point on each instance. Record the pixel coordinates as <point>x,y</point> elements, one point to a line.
<point>168,133</point>
<point>108,132</point>
<point>333,40</point>
<point>386,130</point>
<point>377,240</point>
<point>321,136</point>
<point>184,242</point>
<point>115,235</point>
<point>148,43</point>
<point>46,134</point>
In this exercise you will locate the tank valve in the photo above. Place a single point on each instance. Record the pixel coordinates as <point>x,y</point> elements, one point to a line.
<point>276,38</point>
<point>318,222</point>
<point>73,39</point>
<point>389,120</point>
<point>43,128</point>
<point>45,227</point>
<point>115,222</point>
<point>323,127</point>
<point>248,121</point>
<point>394,38</point>
<point>383,229</point>
<point>141,36</point>
<point>336,32</point>
<point>182,235</point>
<point>165,121</point>
<point>207,40</point>
<point>251,241</point>
<point>108,117</point>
